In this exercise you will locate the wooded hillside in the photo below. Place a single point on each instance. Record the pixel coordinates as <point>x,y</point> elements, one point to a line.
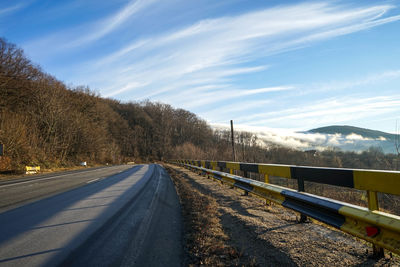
<point>45,122</point>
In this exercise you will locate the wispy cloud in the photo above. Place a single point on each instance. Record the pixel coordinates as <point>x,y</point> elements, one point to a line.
<point>329,111</point>
<point>194,98</point>
<point>220,114</point>
<point>205,65</point>
<point>213,51</point>
<point>108,25</point>
<point>8,10</point>
<point>85,35</point>
<point>372,79</point>
<point>318,106</point>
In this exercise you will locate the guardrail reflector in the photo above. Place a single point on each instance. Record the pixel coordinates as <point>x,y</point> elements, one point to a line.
<point>372,231</point>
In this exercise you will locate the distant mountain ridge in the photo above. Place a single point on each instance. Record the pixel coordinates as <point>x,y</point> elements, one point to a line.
<point>359,139</point>
<point>347,130</point>
<point>341,137</point>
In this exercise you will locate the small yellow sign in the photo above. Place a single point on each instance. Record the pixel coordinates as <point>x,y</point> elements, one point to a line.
<point>32,169</point>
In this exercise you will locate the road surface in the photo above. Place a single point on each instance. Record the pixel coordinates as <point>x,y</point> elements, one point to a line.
<point>22,190</point>
<point>131,218</point>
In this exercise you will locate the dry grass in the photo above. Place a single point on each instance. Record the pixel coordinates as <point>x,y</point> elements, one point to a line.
<point>206,242</point>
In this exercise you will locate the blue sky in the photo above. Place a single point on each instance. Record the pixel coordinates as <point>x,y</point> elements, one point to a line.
<point>290,65</point>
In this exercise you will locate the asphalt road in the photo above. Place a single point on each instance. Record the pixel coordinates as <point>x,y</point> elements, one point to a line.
<point>19,191</point>
<point>131,218</point>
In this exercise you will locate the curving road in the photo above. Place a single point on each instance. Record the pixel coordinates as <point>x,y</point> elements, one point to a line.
<point>131,218</point>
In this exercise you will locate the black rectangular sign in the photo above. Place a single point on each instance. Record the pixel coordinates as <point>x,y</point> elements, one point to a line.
<point>1,149</point>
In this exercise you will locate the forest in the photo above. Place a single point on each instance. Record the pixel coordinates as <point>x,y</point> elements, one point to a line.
<point>45,122</point>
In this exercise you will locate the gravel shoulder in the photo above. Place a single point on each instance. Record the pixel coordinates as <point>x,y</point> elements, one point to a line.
<point>271,235</point>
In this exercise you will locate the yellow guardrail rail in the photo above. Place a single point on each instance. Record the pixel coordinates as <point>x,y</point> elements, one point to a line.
<point>380,228</point>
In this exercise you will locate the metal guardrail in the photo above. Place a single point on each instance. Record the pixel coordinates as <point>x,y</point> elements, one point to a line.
<point>380,228</point>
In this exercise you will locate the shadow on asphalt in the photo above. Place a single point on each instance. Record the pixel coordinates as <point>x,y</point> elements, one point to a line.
<point>15,223</point>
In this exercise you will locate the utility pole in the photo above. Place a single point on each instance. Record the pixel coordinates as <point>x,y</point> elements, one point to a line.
<point>397,144</point>
<point>233,142</point>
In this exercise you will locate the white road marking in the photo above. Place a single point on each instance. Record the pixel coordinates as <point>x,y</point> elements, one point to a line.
<point>91,181</point>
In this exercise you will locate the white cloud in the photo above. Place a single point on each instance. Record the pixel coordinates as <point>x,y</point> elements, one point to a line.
<point>108,25</point>
<point>212,51</point>
<point>8,10</point>
<point>220,114</point>
<point>328,111</point>
<point>199,65</point>
<point>372,79</point>
<point>85,35</point>
<point>354,136</point>
<point>194,98</point>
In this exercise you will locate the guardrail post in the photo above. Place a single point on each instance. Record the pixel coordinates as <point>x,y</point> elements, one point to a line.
<point>373,204</point>
<point>231,172</point>
<point>300,185</point>
<point>212,168</point>
<point>372,200</point>
<point>266,180</point>
<point>245,176</point>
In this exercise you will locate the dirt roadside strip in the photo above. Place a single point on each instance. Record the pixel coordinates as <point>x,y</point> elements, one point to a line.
<point>225,228</point>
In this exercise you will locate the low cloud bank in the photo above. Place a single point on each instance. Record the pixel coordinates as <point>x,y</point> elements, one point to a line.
<point>318,141</point>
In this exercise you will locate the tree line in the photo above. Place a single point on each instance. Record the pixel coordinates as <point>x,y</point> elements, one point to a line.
<point>45,122</point>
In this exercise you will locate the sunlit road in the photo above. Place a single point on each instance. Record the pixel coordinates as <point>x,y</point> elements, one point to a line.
<point>128,219</point>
